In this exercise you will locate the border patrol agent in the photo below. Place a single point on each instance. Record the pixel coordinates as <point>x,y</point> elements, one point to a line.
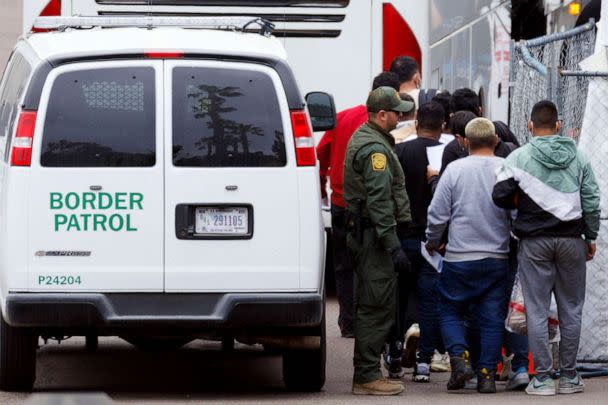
<point>376,201</point>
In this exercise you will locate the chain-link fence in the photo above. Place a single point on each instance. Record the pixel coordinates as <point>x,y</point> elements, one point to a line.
<point>548,68</point>
<point>535,72</point>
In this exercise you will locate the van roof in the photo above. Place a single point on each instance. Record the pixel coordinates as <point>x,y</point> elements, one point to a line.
<point>104,41</point>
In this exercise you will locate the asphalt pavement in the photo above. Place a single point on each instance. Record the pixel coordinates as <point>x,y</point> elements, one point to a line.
<point>201,373</point>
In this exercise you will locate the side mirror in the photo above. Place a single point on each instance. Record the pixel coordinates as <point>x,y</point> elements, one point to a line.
<point>322,111</point>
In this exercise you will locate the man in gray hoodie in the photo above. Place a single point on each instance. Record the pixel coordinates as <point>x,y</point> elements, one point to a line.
<point>553,187</point>
<point>475,269</point>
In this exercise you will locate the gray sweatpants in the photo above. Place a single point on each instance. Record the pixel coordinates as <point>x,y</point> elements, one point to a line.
<point>553,264</point>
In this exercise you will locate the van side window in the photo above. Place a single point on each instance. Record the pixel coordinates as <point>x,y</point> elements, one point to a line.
<point>226,118</point>
<point>16,76</point>
<point>101,118</point>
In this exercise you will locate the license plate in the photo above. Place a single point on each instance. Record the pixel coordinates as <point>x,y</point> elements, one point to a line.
<point>222,221</point>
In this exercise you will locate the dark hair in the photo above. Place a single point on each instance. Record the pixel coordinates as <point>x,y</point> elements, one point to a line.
<point>388,79</point>
<point>443,98</point>
<point>405,67</point>
<point>544,115</point>
<point>459,121</point>
<point>464,100</point>
<point>406,97</point>
<point>430,116</point>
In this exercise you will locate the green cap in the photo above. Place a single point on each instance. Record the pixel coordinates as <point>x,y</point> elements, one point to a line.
<point>387,99</point>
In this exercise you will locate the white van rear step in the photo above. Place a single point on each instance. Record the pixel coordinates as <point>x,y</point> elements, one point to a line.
<point>216,23</point>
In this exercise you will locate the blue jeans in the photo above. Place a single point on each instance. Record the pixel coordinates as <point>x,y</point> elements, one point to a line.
<point>514,344</point>
<point>484,284</point>
<point>428,299</point>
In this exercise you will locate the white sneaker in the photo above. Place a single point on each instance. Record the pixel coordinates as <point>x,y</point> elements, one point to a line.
<point>545,386</point>
<point>440,362</point>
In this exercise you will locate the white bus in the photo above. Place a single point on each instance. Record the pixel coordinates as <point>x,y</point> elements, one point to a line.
<point>340,45</point>
<point>334,45</point>
<point>469,45</point>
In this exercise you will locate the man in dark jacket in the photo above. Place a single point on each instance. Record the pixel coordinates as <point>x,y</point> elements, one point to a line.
<point>553,187</point>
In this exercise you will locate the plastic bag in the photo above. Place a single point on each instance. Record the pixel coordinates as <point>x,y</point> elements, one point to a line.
<point>516,315</point>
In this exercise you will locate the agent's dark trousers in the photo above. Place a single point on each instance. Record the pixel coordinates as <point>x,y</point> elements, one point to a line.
<point>376,283</point>
<point>484,284</point>
<point>549,264</point>
<point>343,270</point>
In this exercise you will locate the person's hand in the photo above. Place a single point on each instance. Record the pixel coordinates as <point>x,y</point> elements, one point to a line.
<point>430,173</point>
<point>441,249</point>
<point>400,261</point>
<point>433,247</point>
<point>430,247</point>
<point>591,248</point>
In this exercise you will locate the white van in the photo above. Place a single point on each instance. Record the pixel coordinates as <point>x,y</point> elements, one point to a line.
<point>159,183</point>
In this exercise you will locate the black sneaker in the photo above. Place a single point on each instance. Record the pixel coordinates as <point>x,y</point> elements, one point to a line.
<point>393,366</point>
<point>485,382</point>
<point>461,371</point>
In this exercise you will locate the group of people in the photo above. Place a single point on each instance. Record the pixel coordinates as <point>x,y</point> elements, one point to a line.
<point>493,209</point>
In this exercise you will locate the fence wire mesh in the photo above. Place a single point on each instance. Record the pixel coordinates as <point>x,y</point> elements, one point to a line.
<point>594,337</point>
<point>582,101</point>
<point>531,86</point>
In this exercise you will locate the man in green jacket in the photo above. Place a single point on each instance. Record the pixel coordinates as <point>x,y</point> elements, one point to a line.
<point>376,203</point>
<point>553,187</point>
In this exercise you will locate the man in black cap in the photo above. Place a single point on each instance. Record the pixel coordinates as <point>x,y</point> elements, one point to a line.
<point>376,202</point>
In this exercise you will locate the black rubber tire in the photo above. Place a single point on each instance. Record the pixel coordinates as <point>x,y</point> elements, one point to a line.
<point>228,343</point>
<point>91,342</point>
<point>17,357</point>
<point>304,370</point>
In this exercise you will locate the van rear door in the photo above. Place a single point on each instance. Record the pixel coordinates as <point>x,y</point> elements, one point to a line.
<point>232,200</point>
<point>96,179</point>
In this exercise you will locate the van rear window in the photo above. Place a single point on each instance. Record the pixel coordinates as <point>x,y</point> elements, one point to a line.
<point>226,118</point>
<point>101,118</point>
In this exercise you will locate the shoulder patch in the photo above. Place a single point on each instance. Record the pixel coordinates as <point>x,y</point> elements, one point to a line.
<point>378,162</point>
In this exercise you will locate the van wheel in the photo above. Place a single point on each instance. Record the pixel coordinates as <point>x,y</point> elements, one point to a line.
<point>17,357</point>
<point>304,370</point>
<point>91,342</point>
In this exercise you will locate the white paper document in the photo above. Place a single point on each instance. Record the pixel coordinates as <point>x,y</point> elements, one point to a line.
<point>434,154</point>
<point>435,260</point>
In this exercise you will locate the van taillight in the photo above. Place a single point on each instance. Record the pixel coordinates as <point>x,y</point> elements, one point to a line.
<point>24,137</point>
<point>302,136</point>
<point>52,9</point>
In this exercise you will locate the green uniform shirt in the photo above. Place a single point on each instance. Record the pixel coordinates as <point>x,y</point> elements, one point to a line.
<point>374,182</point>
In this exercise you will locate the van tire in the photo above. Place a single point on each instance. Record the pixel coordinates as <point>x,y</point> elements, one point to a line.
<point>17,357</point>
<point>304,370</point>
<point>91,342</point>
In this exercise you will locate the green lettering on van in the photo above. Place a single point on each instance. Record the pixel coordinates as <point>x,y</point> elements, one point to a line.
<point>136,199</point>
<point>56,203</point>
<point>99,219</point>
<point>73,223</point>
<point>60,219</point>
<point>129,227</point>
